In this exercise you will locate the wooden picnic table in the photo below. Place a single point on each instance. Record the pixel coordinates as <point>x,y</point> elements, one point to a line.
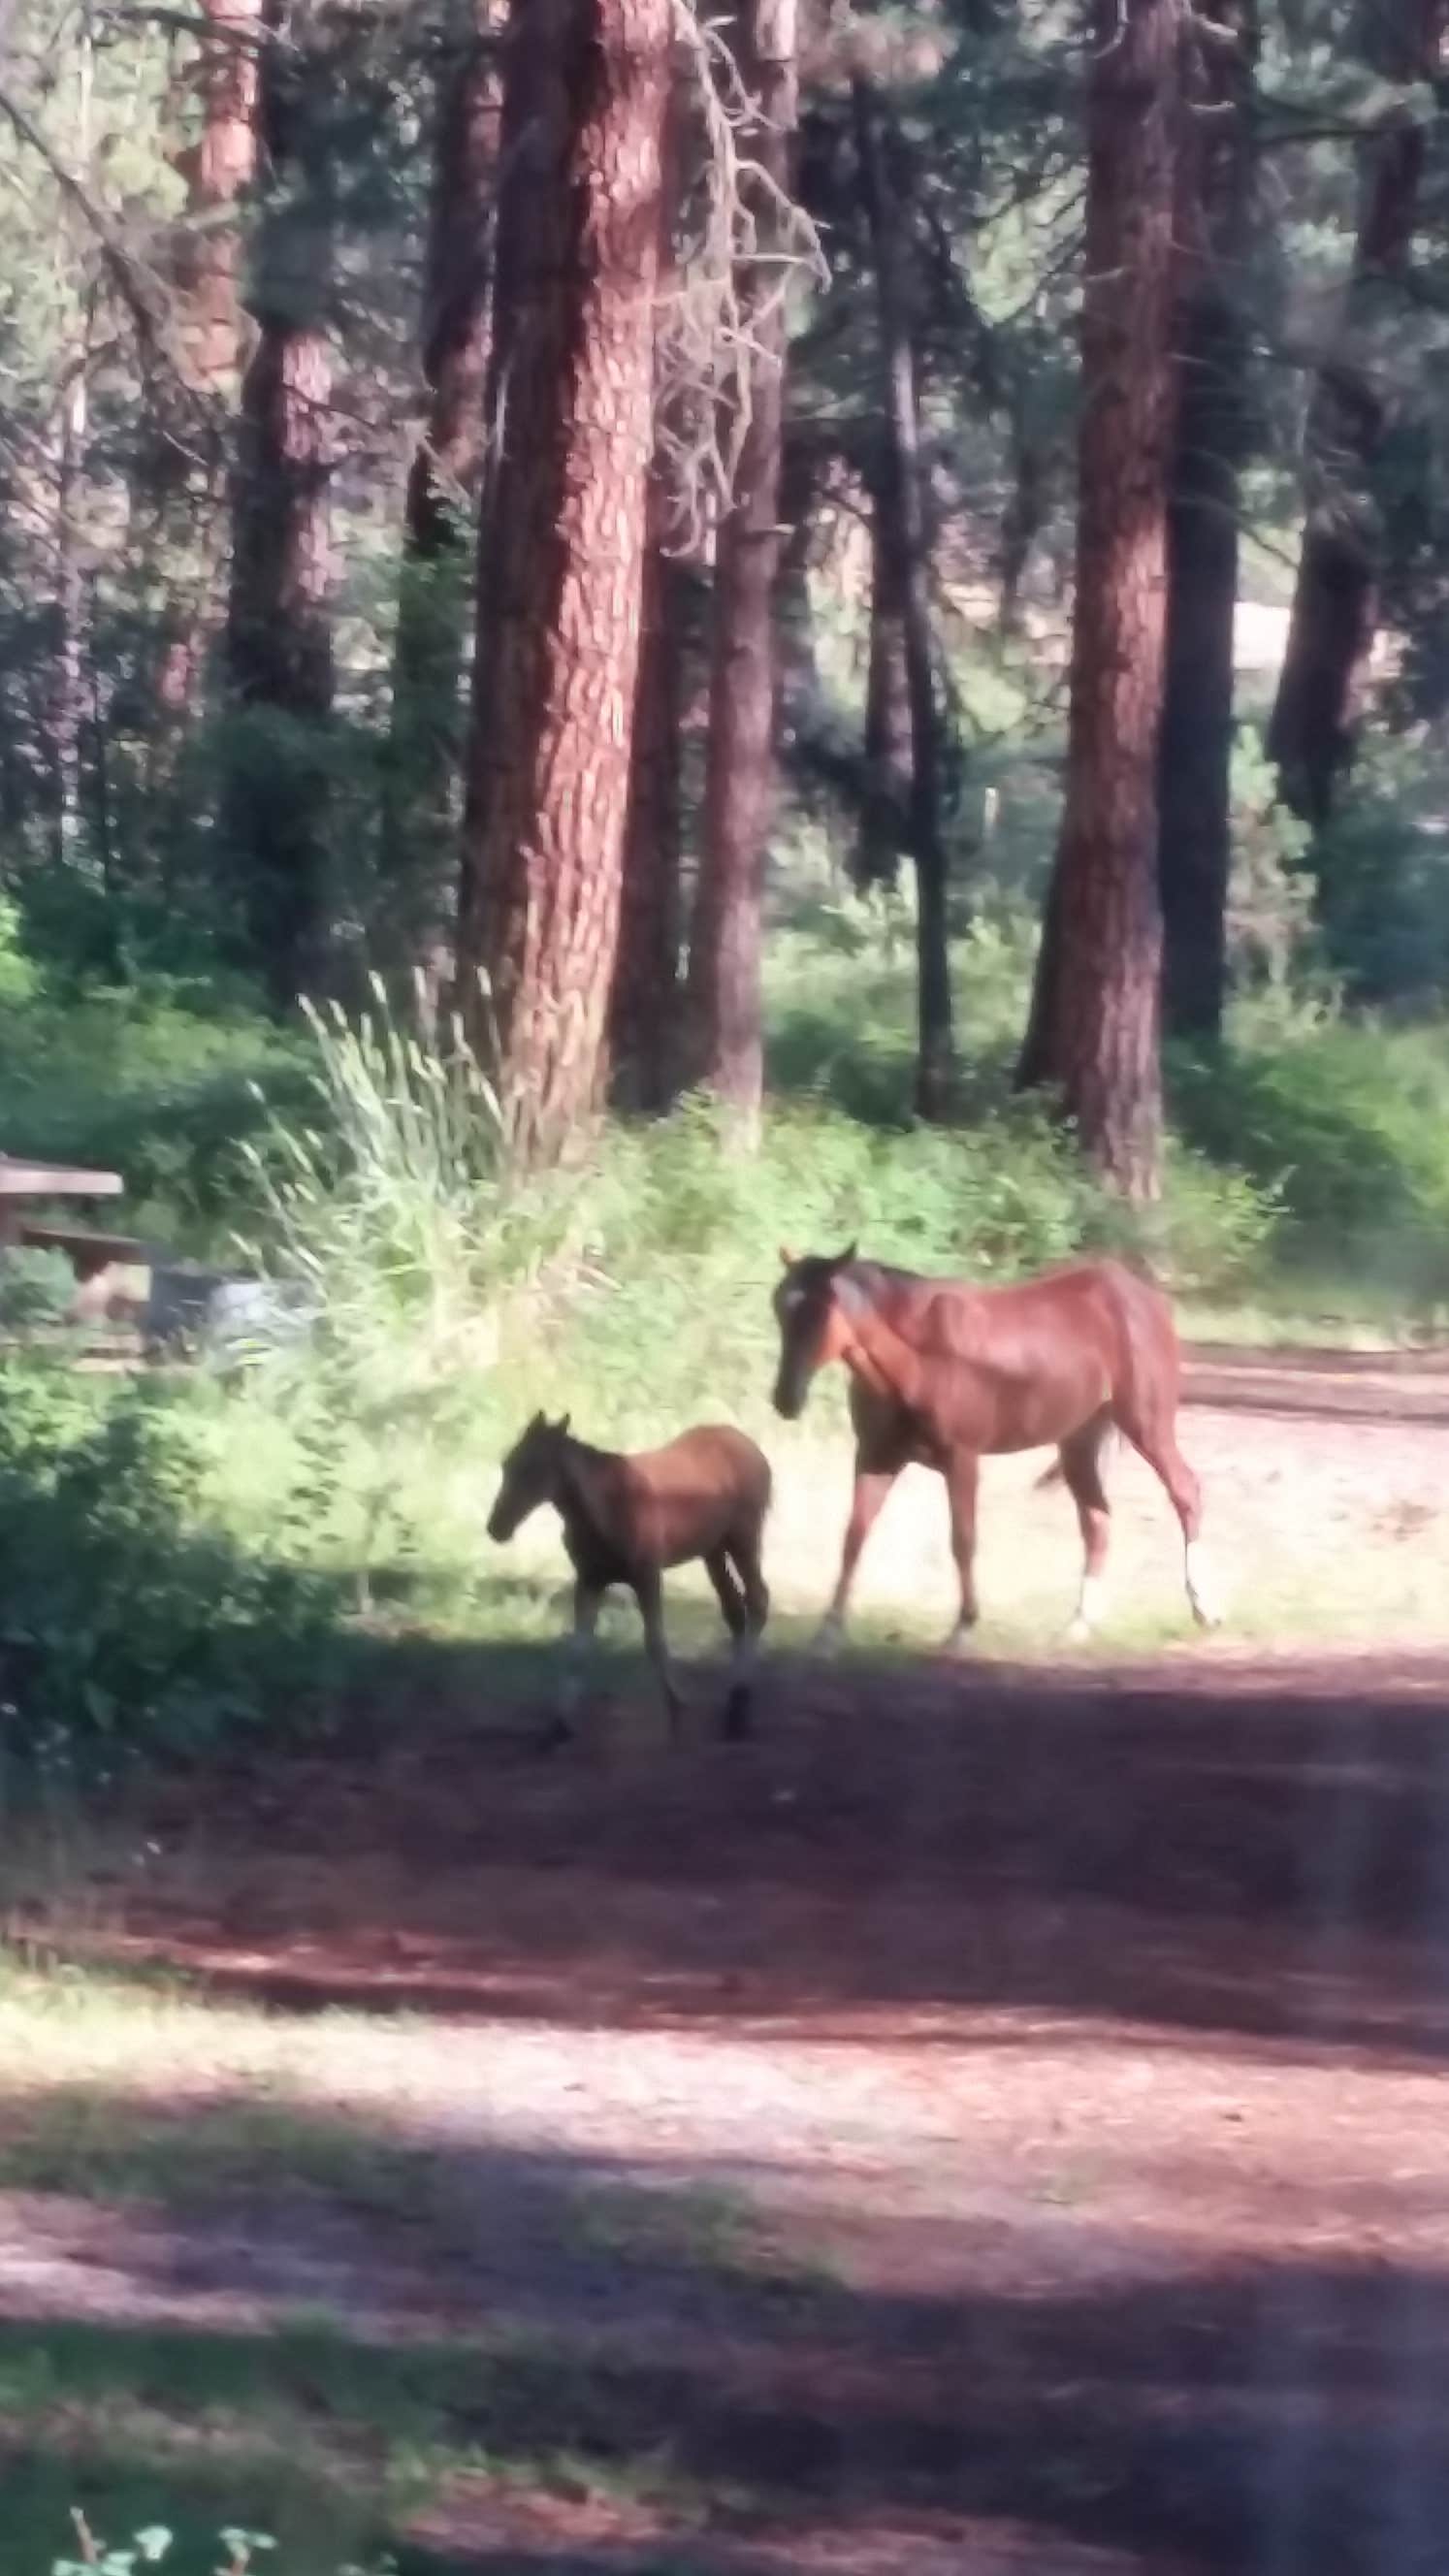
<point>24,1183</point>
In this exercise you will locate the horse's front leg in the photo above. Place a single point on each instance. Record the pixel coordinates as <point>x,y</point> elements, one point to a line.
<point>871,1489</point>
<point>649,1593</point>
<point>588,1601</point>
<point>963,1476</point>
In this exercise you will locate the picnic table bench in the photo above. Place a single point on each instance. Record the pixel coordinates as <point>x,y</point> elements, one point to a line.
<point>92,1254</point>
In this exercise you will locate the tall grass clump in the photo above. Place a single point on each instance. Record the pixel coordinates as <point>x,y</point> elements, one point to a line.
<point>391,1203</point>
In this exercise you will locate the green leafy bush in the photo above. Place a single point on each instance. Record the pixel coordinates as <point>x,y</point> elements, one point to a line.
<point>130,1616</point>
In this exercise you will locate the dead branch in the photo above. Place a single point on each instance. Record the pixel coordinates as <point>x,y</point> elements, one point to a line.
<point>746,245</point>
<point>137,290</point>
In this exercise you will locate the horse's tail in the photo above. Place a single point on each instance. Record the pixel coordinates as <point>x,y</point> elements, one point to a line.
<point>1052,1475</point>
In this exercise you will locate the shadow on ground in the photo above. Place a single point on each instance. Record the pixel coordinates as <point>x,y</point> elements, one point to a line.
<point>1202,1847</point>
<point>678,2405</point>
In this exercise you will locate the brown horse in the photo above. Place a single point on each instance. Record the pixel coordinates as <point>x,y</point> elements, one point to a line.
<point>626,1518</point>
<point>943,1374</point>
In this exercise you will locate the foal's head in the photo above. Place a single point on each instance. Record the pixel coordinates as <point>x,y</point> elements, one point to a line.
<point>530,1474</point>
<point>809,1303</point>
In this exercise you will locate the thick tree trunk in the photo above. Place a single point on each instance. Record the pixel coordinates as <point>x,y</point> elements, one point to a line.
<point>1095,1015</point>
<point>419,816</point>
<point>725,938</point>
<point>561,559</point>
<point>885,831</point>
<point>901,522</point>
<point>1215,215</point>
<point>1336,600</point>
<point>279,627</point>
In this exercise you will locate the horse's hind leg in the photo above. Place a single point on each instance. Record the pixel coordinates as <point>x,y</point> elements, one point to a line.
<point>649,1593</point>
<point>740,1569</point>
<point>1157,1443</point>
<point>963,1478</point>
<point>871,1489</point>
<point>1081,1458</point>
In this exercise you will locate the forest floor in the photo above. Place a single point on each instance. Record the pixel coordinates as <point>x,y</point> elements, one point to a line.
<point>994,2121</point>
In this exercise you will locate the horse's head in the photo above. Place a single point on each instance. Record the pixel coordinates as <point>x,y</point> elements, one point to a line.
<point>530,1475</point>
<point>810,1309</point>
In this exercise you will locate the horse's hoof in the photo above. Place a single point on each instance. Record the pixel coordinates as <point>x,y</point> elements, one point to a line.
<point>735,1725</point>
<point>827,1640</point>
<point>1080,1632</point>
<point>960,1645</point>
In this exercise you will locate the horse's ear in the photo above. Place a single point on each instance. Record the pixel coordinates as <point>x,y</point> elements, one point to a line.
<point>563,1422</point>
<point>844,1259</point>
<point>787,1259</point>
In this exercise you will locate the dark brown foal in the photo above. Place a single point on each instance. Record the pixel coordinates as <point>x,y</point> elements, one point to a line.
<point>943,1374</point>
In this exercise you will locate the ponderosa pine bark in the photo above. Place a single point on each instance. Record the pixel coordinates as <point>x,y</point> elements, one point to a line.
<point>439,524</point>
<point>902,525</point>
<point>1214,222</point>
<point>279,627</point>
<point>1094,1033</point>
<point>1335,610</point>
<point>739,790</point>
<point>561,555</point>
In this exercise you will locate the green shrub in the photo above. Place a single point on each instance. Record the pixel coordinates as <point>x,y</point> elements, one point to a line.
<point>131,1617</point>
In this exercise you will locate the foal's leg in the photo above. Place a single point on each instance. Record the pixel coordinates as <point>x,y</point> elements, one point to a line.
<point>744,1556</point>
<point>963,1478</point>
<point>871,1489</point>
<point>1081,1457</point>
<point>588,1601</point>
<point>1157,1443</point>
<point>649,1593</point>
<point>732,1604</point>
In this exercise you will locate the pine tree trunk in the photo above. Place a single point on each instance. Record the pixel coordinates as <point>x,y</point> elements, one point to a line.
<point>1022,522</point>
<point>885,830</point>
<point>901,517</point>
<point>798,690</point>
<point>1215,216</point>
<point>180,503</point>
<point>739,792</point>
<point>207,260</point>
<point>66,661</point>
<point>419,819</point>
<point>1335,611</point>
<point>644,1005</point>
<point>279,626</point>
<point>1095,1015</point>
<point>562,552</point>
